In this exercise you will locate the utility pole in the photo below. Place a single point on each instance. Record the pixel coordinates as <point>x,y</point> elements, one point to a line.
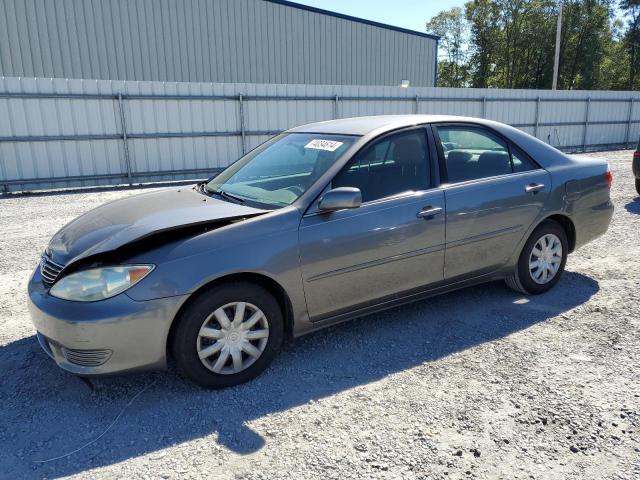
<point>556,60</point>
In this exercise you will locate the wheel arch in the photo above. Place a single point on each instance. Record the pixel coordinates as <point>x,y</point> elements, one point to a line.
<point>262,280</point>
<point>567,225</point>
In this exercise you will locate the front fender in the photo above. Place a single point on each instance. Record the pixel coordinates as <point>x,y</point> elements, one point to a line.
<point>268,248</point>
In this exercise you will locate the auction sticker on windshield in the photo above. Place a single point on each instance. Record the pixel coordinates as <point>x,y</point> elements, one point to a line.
<point>319,144</point>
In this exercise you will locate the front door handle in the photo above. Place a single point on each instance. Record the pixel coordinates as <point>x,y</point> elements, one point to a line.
<point>429,212</point>
<point>534,187</point>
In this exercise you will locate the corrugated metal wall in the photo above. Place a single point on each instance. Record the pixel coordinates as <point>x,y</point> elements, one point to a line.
<point>61,133</point>
<point>252,41</point>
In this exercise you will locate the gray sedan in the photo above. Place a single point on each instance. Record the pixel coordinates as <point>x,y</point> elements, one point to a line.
<point>321,224</point>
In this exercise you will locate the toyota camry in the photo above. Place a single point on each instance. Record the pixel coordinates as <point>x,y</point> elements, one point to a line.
<point>320,224</point>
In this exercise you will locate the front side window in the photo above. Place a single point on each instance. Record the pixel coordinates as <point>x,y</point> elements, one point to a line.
<point>471,153</point>
<point>395,164</point>
<point>279,171</point>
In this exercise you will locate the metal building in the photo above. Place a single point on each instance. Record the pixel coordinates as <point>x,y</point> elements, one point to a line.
<point>254,41</point>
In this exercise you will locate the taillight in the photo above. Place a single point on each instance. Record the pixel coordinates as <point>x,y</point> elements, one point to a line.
<point>609,177</point>
<point>636,154</point>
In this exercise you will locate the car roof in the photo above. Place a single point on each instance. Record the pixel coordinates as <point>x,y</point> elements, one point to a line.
<point>380,123</point>
<point>371,127</point>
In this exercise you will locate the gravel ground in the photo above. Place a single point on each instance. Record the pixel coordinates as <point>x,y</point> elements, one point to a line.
<point>480,383</point>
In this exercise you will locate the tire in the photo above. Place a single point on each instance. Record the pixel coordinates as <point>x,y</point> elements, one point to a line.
<point>523,279</point>
<point>189,342</point>
<point>638,185</point>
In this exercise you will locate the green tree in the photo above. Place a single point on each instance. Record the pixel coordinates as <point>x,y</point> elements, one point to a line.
<point>486,38</point>
<point>511,41</point>
<point>586,32</point>
<point>452,28</point>
<point>511,44</point>
<point>614,69</point>
<point>529,31</point>
<point>631,39</point>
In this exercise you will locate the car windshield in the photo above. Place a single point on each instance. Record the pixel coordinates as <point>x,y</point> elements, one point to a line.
<point>280,170</point>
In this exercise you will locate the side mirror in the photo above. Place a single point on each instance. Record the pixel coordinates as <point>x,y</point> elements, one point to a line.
<point>339,198</point>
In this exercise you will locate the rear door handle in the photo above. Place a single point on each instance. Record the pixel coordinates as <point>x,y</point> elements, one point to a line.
<point>534,187</point>
<point>429,212</point>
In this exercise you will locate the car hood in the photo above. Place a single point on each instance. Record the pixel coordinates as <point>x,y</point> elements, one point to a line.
<point>131,219</point>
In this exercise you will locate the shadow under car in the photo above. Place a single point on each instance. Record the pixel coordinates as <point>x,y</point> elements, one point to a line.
<point>48,413</point>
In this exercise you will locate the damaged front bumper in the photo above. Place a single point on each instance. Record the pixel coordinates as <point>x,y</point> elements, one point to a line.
<point>110,336</point>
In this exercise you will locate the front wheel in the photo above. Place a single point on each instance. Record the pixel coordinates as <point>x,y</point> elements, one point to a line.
<point>638,185</point>
<point>542,260</point>
<point>228,335</point>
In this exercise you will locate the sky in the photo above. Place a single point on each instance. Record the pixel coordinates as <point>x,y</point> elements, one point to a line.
<point>411,14</point>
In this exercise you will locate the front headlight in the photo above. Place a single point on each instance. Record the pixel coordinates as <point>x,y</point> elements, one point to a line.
<point>99,283</point>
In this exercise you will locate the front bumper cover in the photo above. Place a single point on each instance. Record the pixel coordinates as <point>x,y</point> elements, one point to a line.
<point>110,336</point>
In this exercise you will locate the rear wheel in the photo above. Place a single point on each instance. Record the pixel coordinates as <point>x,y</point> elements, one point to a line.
<point>638,185</point>
<point>541,261</point>
<point>228,335</point>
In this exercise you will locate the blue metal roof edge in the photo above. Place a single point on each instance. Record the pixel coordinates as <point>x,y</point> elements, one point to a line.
<point>354,19</point>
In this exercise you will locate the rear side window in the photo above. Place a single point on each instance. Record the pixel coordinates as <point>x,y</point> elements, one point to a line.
<point>395,164</point>
<point>521,162</point>
<point>471,153</point>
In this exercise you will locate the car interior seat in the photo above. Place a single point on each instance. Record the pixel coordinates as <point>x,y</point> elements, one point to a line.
<point>494,163</point>
<point>459,166</point>
<point>411,164</point>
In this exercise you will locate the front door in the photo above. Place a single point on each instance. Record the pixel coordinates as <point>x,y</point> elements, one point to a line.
<point>389,245</point>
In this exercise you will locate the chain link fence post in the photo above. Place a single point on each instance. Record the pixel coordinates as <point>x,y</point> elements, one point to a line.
<point>242,129</point>
<point>125,142</point>
<point>586,125</point>
<point>629,116</point>
<point>537,120</point>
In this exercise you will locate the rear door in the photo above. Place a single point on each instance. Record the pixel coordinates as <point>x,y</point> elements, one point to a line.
<point>388,246</point>
<point>493,192</point>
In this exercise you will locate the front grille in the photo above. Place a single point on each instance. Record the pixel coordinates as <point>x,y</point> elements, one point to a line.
<point>86,358</point>
<point>49,270</point>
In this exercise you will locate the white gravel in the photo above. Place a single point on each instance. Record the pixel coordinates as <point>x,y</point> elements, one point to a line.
<point>481,383</point>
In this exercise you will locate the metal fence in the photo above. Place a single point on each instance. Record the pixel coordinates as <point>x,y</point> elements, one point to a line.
<point>57,133</point>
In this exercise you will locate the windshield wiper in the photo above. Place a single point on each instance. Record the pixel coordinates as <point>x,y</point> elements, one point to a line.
<point>228,196</point>
<point>202,188</point>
